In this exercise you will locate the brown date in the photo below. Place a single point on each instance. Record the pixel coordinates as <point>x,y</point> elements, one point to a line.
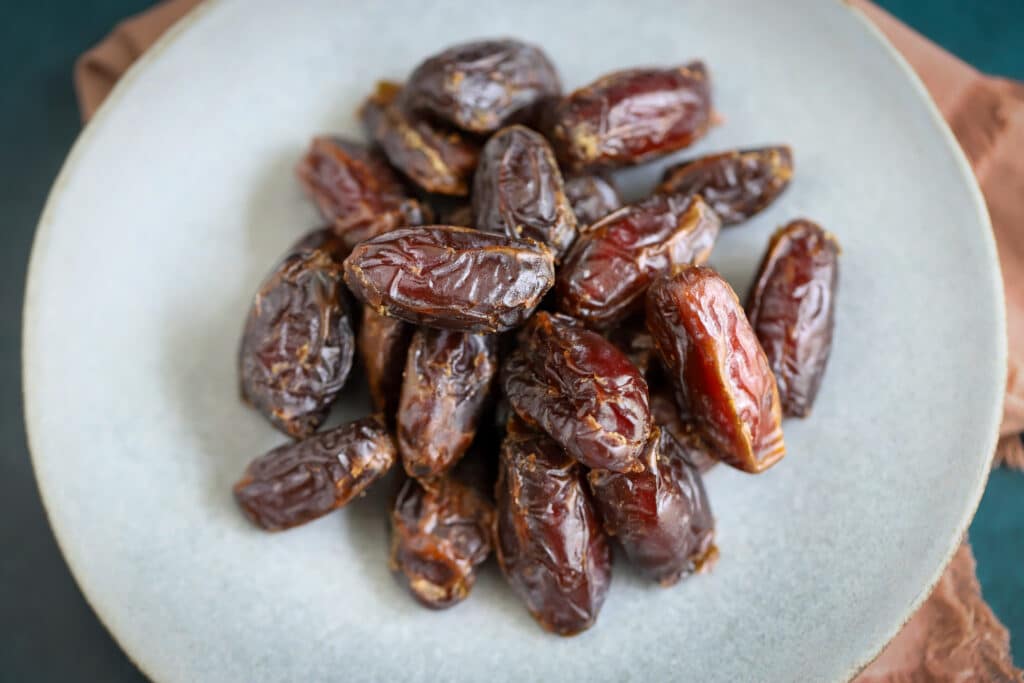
<point>550,544</point>
<point>518,190</point>
<point>437,159</point>
<point>721,374</point>
<point>450,277</point>
<point>631,116</point>
<point>792,310</point>
<point>383,343</point>
<point>297,346</point>
<point>356,191</point>
<point>439,535</point>
<point>576,386</point>
<point>298,482</point>
<point>324,239</point>
<point>607,271</point>
<point>592,197</point>
<point>633,339</point>
<point>661,515</point>
<point>735,184</point>
<point>670,418</point>
<point>483,85</point>
<point>447,380</point>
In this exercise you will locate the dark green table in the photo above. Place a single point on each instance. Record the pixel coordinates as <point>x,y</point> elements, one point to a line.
<point>49,633</point>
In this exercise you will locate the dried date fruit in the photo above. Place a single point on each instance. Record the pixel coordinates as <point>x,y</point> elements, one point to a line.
<point>661,515</point>
<point>298,482</point>
<point>447,379</point>
<point>356,191</point>
<point>518,190</point>
<point>576,386</point>
<point>735,184</point>
<point>614,260</point>
<point>631,116</point>
<point>792,309</point>
<point>633,339</point>
<point>437,159</point>
<point>383,343</point>
<point>592,197</point>
<point>483,85</point>
<point>550,544</point>
<point>720,372</point>
<point>297,346</point>
<point>324,239</point>
<point>679,424</point>
<point>439,535</point>
<point>449,277</point>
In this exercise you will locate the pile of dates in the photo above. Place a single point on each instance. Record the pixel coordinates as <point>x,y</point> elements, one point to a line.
<point>553,368</point>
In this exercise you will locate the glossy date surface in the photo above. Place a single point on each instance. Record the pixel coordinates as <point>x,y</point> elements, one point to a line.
<point>550,544</point>
<point>518,190</point>
<point>435,158</point>
<point>736,184</point>
<point>447,380</point>
<point>483,85</point>
<point>580,389</point>
<point>661,515</point>
<point>592,197</point>
<point>721,374</point>
<point>298,482</point>
<point>792,310</point>
<point>297,345</point>
<point>608,269</point>
<point>383,343</point>
<point>631,116</point>
<point>439,535</point>
<point>451,277</point>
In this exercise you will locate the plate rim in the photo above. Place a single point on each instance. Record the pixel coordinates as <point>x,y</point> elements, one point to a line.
<point>194,15</point>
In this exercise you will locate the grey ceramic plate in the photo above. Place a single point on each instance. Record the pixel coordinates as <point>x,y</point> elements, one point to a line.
<point>180,195</point>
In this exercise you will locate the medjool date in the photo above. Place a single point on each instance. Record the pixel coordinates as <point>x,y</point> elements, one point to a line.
<point>592,197</point>
<point>383,344</point>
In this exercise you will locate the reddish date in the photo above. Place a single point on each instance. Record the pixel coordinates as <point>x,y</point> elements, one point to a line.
<point>592,197</point>
<point>518,190</point>
<point>792,310</point>
<point>550,544</point>
<point>576,386</point>
<point>297,346</point>
<point>356,191</point>
<point>607,271</point>
<point>631,116</point>
<point>483,85</point>
<point>383,343</point>
<point>720,371</point>
<point>439,535</point>
<point>735,184</point>
<point>661,515</point>
<point>436,159</point>
<point>679,424</point>
<point>298,482</point>
<point>449,277</point>
<point>447,379</point>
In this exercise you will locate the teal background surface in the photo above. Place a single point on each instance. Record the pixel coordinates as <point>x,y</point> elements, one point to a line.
<point>49,631</point>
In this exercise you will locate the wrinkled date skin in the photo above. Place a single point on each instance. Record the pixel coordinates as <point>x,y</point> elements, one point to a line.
<point>437,159</point>
<point>579,388</point>
<point>356,191</point>
<point>483,85</point>
<point>679,424</point>
<point>383,343</point>
<point>298,482</point>
<point>631,116</point>
<point>792,309</point>
<point>661,516</point>
<point>451,277</point>
<point>448,377</point>
<point>720,372</point>
<point>550,544</point>
<point>439,535</point>
<point>297,345</point>
<point>592,197</point>
<point>735,184</point>
<point>615,260</point>
<point>518,190</point>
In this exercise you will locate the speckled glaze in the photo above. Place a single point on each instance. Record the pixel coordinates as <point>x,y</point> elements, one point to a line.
<point>180,195</point>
